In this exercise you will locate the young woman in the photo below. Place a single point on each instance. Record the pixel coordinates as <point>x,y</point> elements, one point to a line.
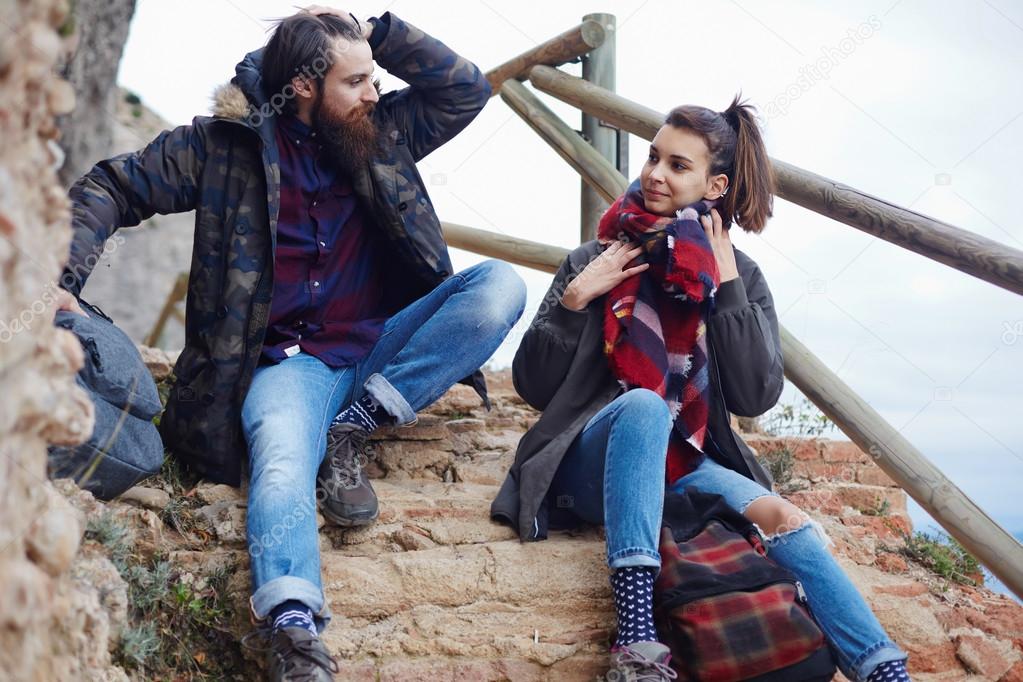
<point>647,339</point>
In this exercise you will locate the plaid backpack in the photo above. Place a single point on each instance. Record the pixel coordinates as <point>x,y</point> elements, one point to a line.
<point>723,607</point>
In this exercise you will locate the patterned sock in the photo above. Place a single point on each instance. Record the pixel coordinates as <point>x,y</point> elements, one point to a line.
<point>365,413</point>
<point>293,614</point>
<point>892,671</point>
<point>633,588</point>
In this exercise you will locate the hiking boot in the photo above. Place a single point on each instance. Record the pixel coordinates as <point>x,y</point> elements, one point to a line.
<point>347,498</point>
<point>641,662</point>
<point>296,655</point>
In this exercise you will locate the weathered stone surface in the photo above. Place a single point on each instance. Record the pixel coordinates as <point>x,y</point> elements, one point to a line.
<point>226,519</point>
<point>150,498</point>
<point>985,656</point>
<point>158,361</point>
<point>54,625</point>
<point>212,493</point>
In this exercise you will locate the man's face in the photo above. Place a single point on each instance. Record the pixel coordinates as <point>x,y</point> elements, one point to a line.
<point>348,91</point>
<point>343,106</point>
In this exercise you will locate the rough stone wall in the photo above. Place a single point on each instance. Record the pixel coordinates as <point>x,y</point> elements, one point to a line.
<point>54,623</point>
<point>87,133</point>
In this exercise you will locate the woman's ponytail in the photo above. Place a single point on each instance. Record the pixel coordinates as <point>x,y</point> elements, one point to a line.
<point>750,197</point>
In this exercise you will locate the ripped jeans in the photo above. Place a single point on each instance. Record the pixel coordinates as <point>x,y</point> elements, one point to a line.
<point>613,475</point>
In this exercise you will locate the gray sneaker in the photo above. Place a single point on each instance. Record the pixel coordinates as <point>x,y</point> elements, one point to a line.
<point>295,655</point>
<point>346,497</point>
<point>641,662</point>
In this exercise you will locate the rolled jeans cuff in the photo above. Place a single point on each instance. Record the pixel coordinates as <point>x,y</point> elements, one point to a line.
<point>391,400</point>
<point>882,652</point>
<point>633,556</point>
<point>280,590</point>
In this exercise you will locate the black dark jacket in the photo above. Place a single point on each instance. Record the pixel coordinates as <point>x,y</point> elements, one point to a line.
<point>560,369</point>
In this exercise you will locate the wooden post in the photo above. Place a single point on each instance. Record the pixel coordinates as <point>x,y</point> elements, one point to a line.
<point>177,294</point>
<point>596,171</point>
<point>961,249</point>
<point>599,69</point>
<point>560,49</point>
<point>1001,553</point>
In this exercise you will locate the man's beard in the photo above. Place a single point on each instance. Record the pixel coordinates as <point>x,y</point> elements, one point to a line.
<point>350,140</point>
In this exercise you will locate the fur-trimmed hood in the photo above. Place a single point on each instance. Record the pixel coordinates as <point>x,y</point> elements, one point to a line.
<point>242,96</point>
<point>229,101</point>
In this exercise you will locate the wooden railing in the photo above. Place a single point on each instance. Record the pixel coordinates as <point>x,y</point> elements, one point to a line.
<point>967,252</point>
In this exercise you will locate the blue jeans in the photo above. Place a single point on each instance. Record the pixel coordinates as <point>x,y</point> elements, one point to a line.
<point>613,474</point>
<point>422,351</point>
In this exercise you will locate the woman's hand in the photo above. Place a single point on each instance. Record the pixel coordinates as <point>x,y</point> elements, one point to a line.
<point>722,245</point>
<point>602,275</point>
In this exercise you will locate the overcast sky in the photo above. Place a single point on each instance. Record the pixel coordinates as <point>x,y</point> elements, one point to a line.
<point>921,105</point>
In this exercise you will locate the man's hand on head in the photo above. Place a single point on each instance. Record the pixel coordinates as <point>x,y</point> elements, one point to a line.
<point>365,26</point>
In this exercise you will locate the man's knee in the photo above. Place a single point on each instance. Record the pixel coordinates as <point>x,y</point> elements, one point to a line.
<point>507,291</point>
<point>280,447</point>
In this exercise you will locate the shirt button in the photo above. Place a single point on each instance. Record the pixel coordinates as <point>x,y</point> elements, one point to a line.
<point>323,243</point>
<point>316,284</point>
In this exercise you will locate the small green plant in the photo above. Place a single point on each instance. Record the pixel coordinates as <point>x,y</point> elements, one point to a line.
<point>109,531</point>
<point>801,419</point>
<point>944,556</point>
<point>177,477</point>
<point>779,463</point>
<point>132,98</point>
<point>138,645</point>
<point>883,508</point>
<point>178,622</point>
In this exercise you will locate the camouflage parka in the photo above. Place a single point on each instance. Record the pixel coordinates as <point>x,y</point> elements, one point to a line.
<point>225,167</point>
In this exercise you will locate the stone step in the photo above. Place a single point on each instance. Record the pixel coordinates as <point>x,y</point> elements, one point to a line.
<point>540,603</point>
<point>417,514</point>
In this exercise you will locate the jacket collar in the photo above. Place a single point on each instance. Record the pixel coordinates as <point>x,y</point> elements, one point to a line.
<point>243,99</point>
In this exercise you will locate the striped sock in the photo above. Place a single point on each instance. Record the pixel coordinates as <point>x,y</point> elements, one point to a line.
<point>892,671</point>
<point>633,588</point>
<point>293,614</point>
<point>365,413</point>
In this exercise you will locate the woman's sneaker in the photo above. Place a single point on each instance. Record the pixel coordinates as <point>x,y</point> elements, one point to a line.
<point>641,662</point>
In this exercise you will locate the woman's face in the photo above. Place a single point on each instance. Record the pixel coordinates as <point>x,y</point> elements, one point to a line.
<point>676,173</point>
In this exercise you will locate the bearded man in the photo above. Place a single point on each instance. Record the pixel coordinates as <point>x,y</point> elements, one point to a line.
<point>321,302</point>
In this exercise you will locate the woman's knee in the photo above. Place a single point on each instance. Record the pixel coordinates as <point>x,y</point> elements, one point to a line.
<point>775,516</point>
<point>643,407</point>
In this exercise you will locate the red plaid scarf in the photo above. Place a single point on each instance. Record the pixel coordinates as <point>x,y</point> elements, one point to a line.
<point>655,323</point>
